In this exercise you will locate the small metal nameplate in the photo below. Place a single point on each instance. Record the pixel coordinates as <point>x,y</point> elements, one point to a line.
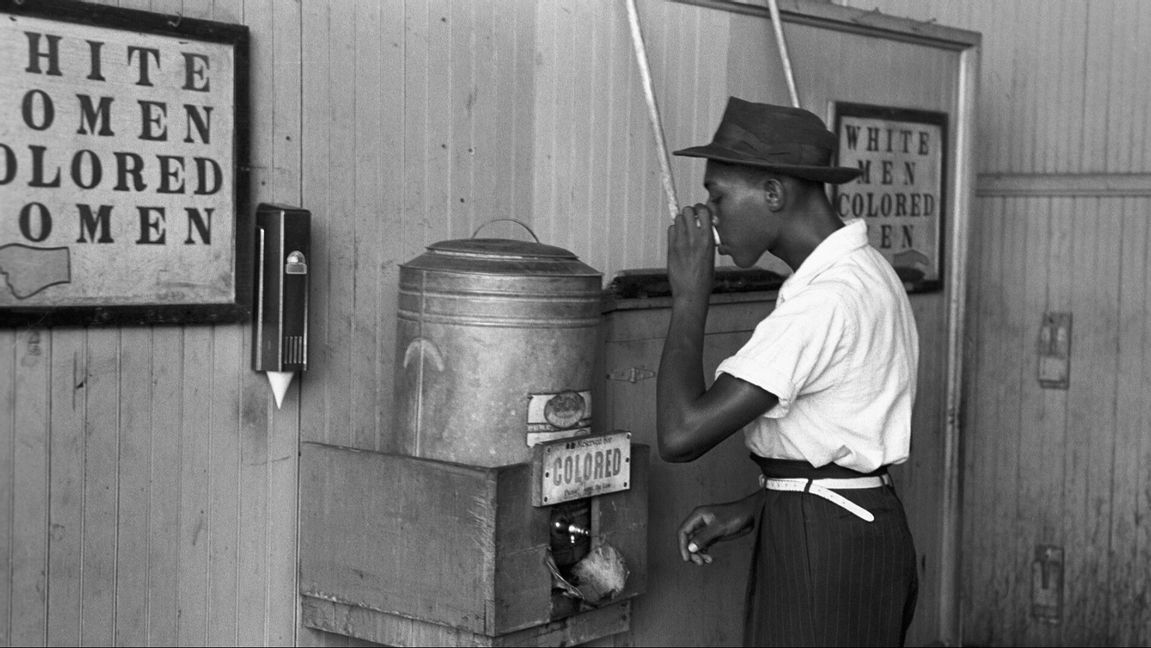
<point>581,467</point>
<point>557,416</point>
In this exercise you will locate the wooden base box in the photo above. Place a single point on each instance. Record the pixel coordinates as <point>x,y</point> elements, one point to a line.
<point>402,550</point>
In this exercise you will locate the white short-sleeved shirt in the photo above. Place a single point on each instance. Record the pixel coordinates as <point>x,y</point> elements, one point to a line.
<point>840,351</point>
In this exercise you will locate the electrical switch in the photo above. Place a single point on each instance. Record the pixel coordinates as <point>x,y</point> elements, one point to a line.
<point>1055,351</point>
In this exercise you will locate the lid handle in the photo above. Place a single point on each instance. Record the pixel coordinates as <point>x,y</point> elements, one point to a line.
<point>509,220</point>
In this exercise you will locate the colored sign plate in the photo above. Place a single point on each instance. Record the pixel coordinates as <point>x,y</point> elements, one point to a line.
<point>581,467</point>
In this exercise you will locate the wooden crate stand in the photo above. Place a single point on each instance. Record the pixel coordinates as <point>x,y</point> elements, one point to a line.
<point>401,550</point>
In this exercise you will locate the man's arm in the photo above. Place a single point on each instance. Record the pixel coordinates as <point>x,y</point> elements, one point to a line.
<point>687,427</point>
<point>690,418</point>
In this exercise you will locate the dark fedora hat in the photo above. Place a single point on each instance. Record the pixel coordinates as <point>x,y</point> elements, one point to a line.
<point>791,141</point>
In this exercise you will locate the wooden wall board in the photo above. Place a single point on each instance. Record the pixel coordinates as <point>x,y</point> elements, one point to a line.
<point>1097,58</point>
<point>282,505</point>
<point>1126,586</point>
<point>223,514</point>
<point>339,208</point>
<point>7,480</point>
<point>1140,627</point>
<point>584,154</point>
<point>254,431</point>
<point>132,493</point>
<point>918,479</point>
<point>66,486</point>
<point>600,147</point>
<point>551,99</point>
<point>438,145</point>
<point>417,71</point>
<point>29,554</point>
<point>973,355</point>
<point>523,92</point>
<point>101,434</point>
<point>1018,340</point>
<point>1016,345</point>
<point>192,621</point>
<point>1060,215</point>
<point>389,211</point>
<point>975,577</point>
<point>456,33</point>
<point>983,581</point>
<point>367,223</point>
<point>1040,439</point>
<point>1091,406</point>
<point>167,410</point>
<point>314,124</point>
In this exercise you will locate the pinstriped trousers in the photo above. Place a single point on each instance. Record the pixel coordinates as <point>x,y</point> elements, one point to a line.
<point>820,575</point>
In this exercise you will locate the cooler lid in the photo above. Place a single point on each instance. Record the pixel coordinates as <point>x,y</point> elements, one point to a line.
<point>493,248</point>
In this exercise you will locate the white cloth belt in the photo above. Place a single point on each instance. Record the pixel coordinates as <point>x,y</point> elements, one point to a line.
<point>823,488</point>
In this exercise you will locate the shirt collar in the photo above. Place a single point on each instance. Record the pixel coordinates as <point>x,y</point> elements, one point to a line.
<point>840,243</point>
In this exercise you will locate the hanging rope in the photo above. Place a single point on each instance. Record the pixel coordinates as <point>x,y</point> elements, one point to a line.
<point>777,25</point>
<point>652,109</point>
<point>653,115</point>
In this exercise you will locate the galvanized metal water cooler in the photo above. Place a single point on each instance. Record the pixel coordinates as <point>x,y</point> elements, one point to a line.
<point>495,346</point>
<point>505,518</point>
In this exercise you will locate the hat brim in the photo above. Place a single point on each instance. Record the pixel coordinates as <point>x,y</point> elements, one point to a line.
<point>832,175</point>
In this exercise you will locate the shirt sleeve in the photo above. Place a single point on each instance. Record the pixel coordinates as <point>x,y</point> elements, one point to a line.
<point>797,349</point>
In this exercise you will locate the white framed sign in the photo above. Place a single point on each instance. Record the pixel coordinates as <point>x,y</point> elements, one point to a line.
<point>900,194</point>
<point>123,172</point>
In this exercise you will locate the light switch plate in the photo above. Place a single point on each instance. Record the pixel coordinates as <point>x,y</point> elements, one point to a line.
<point>1055,351</point>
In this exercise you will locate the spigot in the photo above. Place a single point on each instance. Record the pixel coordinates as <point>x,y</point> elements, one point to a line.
<point>572,530</point>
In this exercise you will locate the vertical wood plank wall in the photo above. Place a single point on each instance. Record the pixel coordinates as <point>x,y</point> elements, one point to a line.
<point>148,484</point>
<point>1060,225</point>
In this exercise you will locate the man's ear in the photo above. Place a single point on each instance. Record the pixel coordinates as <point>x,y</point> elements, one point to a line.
<point>773,193</point>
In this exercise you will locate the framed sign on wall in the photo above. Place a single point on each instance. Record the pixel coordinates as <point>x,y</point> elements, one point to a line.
<point>900,193</point>
<point>123,167</point>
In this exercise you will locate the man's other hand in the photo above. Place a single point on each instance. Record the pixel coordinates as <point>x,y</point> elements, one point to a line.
<point>712,523</point>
